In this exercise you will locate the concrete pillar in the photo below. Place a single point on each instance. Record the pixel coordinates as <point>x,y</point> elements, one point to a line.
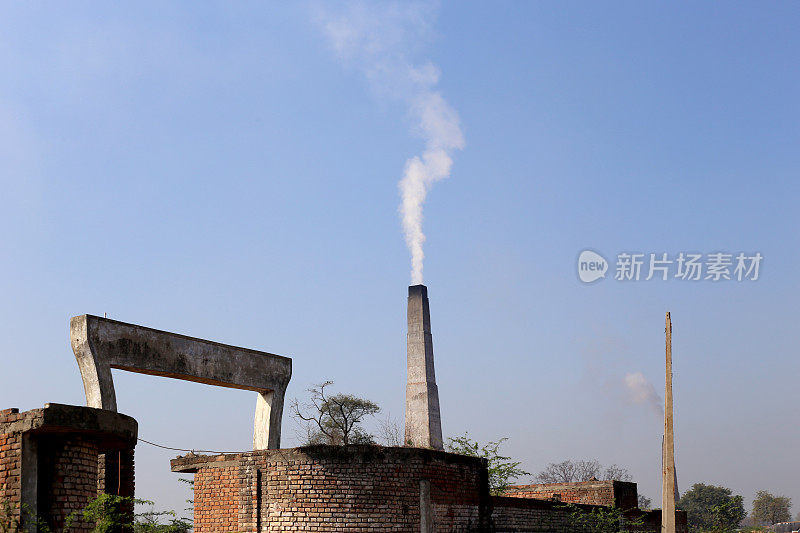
<point>668,463</point>
<point>29,481</point>
<point>426,524</point>
<point>269,414</point>
<point>423,420</point>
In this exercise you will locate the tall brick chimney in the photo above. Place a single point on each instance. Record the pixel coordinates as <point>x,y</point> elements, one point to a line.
<point>423,421</point>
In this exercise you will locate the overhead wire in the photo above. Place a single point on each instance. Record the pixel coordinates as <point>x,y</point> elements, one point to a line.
<point>183,449</point>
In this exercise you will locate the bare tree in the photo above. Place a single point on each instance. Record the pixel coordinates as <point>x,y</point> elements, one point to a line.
<point>644,502</point>
<point>390,432</point>
<point>587,469</point>
<point>334,419</point>
<point>563,472</point>
<point>583,470</point>
<point>616,473</point>
<point>569,471</point>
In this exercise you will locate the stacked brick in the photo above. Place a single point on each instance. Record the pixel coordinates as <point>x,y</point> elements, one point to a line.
<point>10,465</point>
<point>357,488</point>
<point>517,514</point>
<point>610,493</point>
<point>116,473</point>
<point>216,497</point>
<point>70,481</point>
<point>532,515</point>
<point>542,506</point>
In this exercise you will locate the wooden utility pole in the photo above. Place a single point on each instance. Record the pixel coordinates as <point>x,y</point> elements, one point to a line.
<point>668,455</point>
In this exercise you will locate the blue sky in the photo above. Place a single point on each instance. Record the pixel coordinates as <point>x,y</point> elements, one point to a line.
<point>221,171</point>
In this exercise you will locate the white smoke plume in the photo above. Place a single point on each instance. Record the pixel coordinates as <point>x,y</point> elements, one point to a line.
<point>642,392</point>
<point>380,38</point>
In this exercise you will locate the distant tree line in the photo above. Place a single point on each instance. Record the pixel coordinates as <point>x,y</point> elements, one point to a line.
<point>716,509</point>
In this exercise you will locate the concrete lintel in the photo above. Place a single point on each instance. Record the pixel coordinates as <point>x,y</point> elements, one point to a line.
<point>29,481</point>
<point>101,344</point>
<point>177,465</point>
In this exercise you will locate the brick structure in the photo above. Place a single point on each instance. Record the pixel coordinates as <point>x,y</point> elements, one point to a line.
<point>544,503</point>
<point>70,482</point>
<point>326,488</point>
<point>372,488</point>
<point>515,514</point>
<point>620,494</point>
<point>10,461</point>
<point>55,460</point>
<point>529,514</point>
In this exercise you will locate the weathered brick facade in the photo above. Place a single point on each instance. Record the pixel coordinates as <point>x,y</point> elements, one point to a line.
<point>68,480</point>
<point>216,496</point>
<point>515,514</point>
<point>55,460</point>
<point>371,488</point>
<point>357,488</point>
<point>511,514</point>
<point>116,472</point>
<point>10,462</point>
<point>620,494</point>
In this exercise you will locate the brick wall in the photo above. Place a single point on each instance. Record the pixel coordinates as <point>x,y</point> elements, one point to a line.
<point>10,464</point>
<point>518,514</point>
<point>652,521</point>
<point>511,515</point>
<point>68,480</point>
<point>371,488</point>
<point>116,472</point>
<point>50,465</point>
<point>609,493</point>
<point>322,488</point>
<point>216,497</point>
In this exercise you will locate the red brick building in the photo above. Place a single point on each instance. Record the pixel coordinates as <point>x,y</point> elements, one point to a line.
<point>55,460</point>
<point>373,488</point>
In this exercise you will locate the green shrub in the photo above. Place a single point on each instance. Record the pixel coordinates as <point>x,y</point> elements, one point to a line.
<point>600,519</point>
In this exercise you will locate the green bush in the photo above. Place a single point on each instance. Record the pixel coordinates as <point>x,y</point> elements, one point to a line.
<point>10,522</point>
<point>600,519</point>
<point>502,470</point>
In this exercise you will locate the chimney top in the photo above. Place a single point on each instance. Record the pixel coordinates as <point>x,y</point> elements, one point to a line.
<point>418,289</point>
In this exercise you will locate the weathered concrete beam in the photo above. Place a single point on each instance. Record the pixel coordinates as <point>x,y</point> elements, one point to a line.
<point>101,344</point>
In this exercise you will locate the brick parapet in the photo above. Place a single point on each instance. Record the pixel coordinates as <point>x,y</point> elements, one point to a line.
<point>609,493</point>
<point>510,514</point>
<point>10,473</point>
<point>5,413</point>
<point>324,488</point>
